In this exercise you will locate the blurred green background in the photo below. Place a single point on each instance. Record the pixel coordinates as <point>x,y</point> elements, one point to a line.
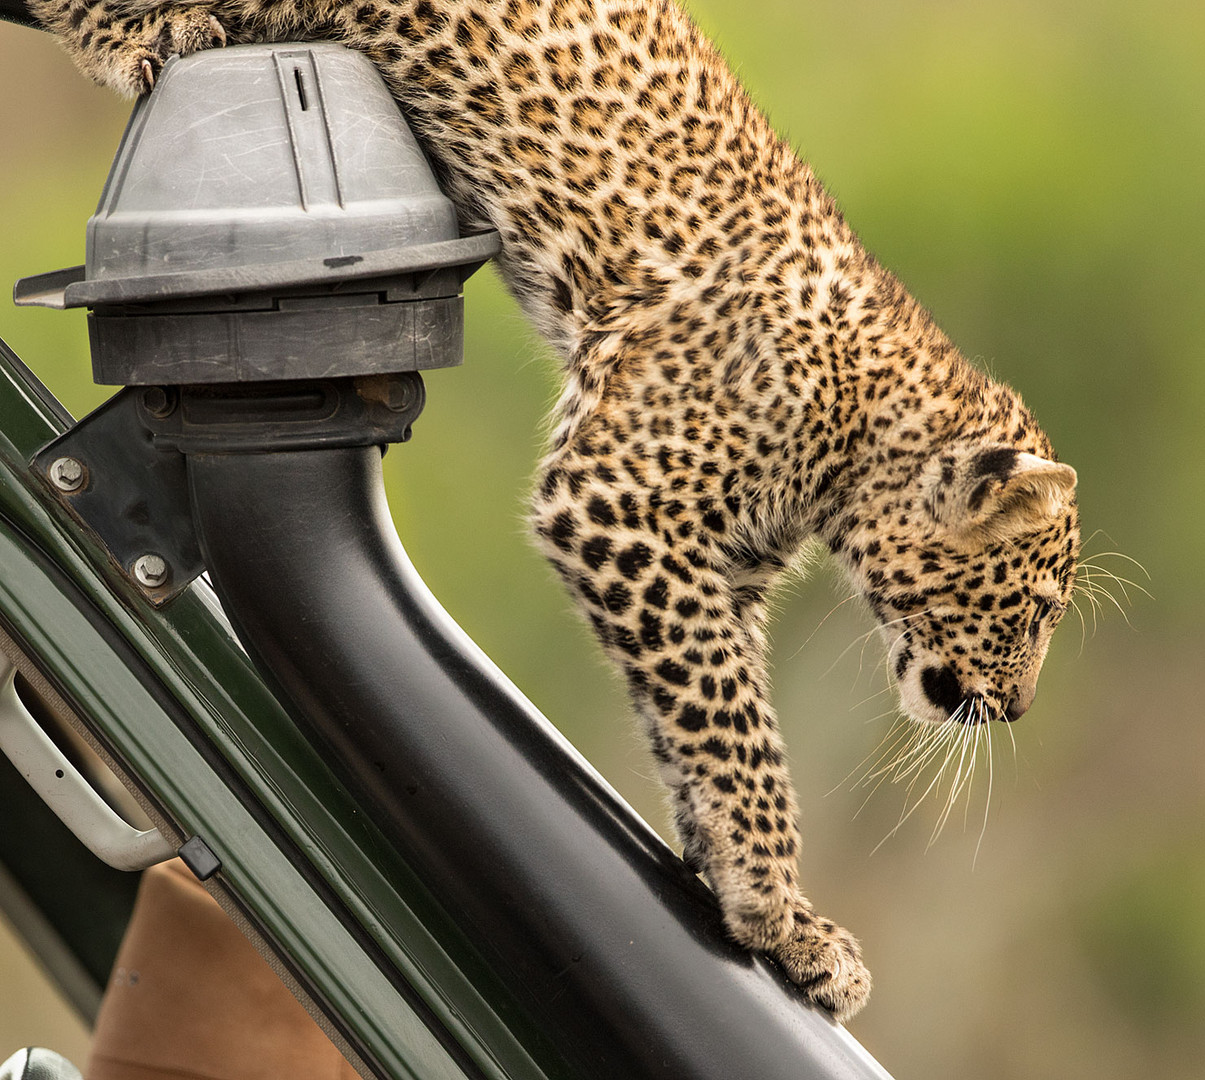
<point>1034,171</point>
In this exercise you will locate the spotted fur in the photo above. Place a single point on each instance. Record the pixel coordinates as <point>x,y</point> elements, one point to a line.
<point>740,375</point>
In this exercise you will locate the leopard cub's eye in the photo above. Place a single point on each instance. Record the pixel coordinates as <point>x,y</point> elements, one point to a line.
<point>1042,610</point>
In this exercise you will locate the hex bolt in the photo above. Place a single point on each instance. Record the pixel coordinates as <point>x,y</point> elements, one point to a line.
<point>150,570</point>
<point>67,474</point>
<point>159,401</point>
<point>399,394</point>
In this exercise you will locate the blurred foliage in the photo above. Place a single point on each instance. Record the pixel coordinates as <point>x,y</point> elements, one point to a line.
<point>1146,934</point>
<point>1034,172</point>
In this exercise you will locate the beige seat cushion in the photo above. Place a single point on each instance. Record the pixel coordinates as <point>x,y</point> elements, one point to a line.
<point>189,997</point>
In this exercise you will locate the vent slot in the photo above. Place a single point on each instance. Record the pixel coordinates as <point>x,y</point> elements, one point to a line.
<point>302,97</point>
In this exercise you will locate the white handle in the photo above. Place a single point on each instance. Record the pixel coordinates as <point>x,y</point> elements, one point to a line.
<point>36,1063</point>
<point>65,790</point>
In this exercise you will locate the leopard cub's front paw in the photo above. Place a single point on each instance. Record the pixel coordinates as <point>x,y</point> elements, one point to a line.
<point>825,962</point>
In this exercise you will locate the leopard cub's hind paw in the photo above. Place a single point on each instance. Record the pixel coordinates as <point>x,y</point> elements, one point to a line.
<point>179,31</point>
<point>191,29</point>
<point>825,962</point>
<point>131,64</point>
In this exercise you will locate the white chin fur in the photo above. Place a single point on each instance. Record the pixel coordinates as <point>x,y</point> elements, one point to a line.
<point>919,708</point>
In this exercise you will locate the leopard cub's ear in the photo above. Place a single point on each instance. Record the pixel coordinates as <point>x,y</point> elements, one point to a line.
<point>997,491</point>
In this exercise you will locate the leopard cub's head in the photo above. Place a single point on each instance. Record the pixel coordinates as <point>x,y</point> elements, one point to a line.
<point>968,567</point>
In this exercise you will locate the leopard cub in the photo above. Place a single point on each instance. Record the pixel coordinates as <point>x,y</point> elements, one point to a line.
<point>739,375</point>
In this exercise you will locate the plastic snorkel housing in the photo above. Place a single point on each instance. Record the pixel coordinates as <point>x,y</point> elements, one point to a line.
<point>319,247</point>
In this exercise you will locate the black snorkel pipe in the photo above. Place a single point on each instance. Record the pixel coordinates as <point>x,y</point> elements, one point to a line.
<point>613,948</point>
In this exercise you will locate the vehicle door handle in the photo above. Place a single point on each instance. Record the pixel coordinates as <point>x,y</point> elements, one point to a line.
<point>65,790</point>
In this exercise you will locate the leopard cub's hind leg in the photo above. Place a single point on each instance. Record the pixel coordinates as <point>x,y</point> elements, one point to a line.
<point>689,640</point>
<point>125,51</point>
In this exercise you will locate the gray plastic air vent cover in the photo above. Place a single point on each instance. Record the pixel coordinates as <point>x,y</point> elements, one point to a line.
<point>258,155</point>
<point>268,215</point>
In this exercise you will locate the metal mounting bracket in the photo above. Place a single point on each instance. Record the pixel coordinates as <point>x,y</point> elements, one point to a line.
<point>134,497</point>
<point>122,470</point>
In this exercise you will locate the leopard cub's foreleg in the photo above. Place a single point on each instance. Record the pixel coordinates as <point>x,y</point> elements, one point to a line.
<point>125,48</point>
<point>689,640</point>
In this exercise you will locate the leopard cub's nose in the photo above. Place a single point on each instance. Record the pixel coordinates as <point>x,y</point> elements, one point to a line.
<point>1018,705</point>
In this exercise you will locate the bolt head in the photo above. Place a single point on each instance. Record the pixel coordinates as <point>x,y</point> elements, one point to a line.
<point>159,401</point>
<point>150,570</point>
<point>399,395</point>
<point>67,474</point>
